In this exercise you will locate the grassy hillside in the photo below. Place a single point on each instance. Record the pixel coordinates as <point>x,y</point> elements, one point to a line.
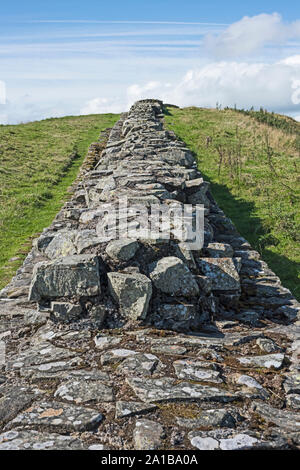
<point>253,165</point>
<point>38,161</point>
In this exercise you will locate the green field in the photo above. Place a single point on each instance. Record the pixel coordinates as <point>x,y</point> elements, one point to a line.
<point>38,162</point>
<point>252,163</point>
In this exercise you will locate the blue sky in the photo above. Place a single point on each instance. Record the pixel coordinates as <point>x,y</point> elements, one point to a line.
<point>74,57</point>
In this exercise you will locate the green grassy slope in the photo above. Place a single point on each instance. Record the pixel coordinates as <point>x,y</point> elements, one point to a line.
<point>38,162</point>
<point>253,166</point>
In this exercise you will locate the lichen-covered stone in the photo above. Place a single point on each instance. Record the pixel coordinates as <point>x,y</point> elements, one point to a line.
<point>193,370</point>
<point>103,342</point>
<point>166,389</point>
<point>219,250</point>
<point>14,400</point>
<point>83,391</point>
<point>34,440</point>
<point>171,276</point>
<point>62,244</point>
<point>283,418</point>
<point>123,249</point>
<point>116,355</point>
<point>139,364</point>
<point>268,361</point>
<point>132,292</point>
<point>58,416</point>
<point>64,311</point>
<point>76,275</point>
<point>147,435</point>
<point>210,419</point>
<point>222,272</point>
<point>236,441</point>
<point>125,409</point>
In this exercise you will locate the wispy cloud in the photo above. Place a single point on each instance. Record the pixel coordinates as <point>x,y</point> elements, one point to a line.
<point>127,22</point>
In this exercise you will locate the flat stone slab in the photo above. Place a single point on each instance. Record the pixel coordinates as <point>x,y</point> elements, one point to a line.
<point>57,416</point>
<point>209,418</point>
<point>170,349</point>
<point>40,354</point>
<point>83,390</point>
<point>14,400</point>
<point>33,440</point>
<point>125,409</point>
<point>166,389</point>
<point>139,364</point>
<point>103,342</point>
<point>193,370</point>
<point>116,355</point>
<point>147,435</point>
<point>226,441</point>
<point>271,360</point>
<point>50,370</point>
<point>283,418</point>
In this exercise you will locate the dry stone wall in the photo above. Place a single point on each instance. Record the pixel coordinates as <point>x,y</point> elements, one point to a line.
<point>210,328</point>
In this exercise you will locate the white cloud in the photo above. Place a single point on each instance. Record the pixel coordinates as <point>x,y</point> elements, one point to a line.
<point>273,86</point>
<point>2,92</point>
<point>101,106</point>
<point>251,33</point>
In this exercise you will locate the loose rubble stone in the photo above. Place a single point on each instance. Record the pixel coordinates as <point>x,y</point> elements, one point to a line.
<point>123,249</point>
<point>251,383</point>
<point>293,401</point>
<point>148,435</point>
<point>76,275</point>
<point>267,345</point>
<point>220,250</point>
<point>292,383</point>
<point>171,276</point>
<point>64,311</point>
<point>222,272</point>
<point>58,416</point>
<point>271,360</point>
<point>132,292</point>
<point>62,244</point>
